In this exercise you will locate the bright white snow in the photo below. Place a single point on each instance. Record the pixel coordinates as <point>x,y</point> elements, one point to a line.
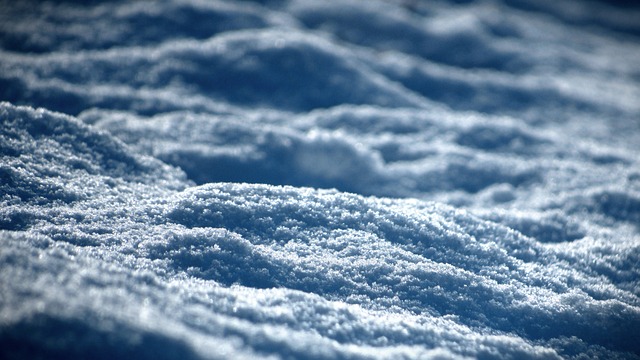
<point>306,179</point>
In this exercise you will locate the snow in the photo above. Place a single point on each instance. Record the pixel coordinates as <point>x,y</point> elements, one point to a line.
<point>303,179</point>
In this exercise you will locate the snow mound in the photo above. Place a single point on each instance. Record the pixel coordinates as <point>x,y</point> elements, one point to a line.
<point>139,260</point>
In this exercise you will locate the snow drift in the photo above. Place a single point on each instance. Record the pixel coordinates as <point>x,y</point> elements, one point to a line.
<point>291,179</point>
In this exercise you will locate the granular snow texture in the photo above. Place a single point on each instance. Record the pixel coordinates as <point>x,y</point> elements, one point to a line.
<point>320,180</point>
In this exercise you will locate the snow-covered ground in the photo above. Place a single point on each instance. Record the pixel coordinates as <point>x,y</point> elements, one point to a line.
<point>320,179</point>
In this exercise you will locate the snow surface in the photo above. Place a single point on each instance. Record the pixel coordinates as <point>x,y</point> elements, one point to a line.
<point>307,179</point>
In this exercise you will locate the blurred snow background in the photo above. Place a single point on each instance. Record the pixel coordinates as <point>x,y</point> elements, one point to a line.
<point>461,179</point>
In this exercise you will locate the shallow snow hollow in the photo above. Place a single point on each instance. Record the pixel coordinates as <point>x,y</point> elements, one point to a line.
<point>294,179</point>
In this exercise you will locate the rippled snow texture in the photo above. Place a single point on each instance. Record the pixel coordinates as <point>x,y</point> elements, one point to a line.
<point>306,179</point>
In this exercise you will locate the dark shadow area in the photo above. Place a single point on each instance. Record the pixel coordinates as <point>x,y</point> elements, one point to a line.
<point>590,13</point>
<point>135,24</point>
<point>46,337</point>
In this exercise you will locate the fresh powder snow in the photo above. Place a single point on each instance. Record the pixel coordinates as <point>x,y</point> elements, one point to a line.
<point>300,179</point>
